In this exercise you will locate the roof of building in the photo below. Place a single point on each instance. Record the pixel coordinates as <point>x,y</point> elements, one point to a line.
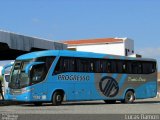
<point>12,45</point>
<point>94,41</point>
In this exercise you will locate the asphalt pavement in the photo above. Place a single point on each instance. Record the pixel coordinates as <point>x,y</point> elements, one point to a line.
<point>83,109</point>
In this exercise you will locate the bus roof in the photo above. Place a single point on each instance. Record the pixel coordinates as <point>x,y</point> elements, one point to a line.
<point>70,53</point>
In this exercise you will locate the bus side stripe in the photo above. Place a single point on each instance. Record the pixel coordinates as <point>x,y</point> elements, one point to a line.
<point>122,80</point>
<point>114,75</point>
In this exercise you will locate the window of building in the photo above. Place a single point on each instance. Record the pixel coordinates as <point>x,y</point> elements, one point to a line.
<point>126,52</point>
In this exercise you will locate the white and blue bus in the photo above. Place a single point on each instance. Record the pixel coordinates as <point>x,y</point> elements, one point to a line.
<point>61,75</point>
<point>6,77</point>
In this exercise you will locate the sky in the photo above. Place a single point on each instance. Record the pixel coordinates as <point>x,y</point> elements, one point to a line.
<point>86,19</point>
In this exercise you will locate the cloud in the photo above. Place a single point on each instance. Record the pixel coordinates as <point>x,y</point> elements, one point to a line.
<point>149,52</point>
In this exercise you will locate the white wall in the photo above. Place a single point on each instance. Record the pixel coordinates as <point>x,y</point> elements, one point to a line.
<point>129,44</point>
<point>115,49</point>
<point>1,70</point>
<point>112,48</point>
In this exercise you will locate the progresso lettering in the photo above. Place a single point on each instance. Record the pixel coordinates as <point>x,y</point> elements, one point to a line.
<point>74,77</point>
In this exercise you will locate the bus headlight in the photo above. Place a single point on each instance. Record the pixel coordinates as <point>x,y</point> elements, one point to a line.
<point>24,90</point>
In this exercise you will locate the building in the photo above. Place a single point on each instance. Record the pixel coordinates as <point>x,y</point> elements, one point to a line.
<point>1,67</point>
<point>13,45</point>
<point>115,46</point>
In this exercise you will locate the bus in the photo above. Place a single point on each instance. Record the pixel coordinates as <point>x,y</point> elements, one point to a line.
<point>5,83</point>
<point>62,75</point>
<point>6,77</point>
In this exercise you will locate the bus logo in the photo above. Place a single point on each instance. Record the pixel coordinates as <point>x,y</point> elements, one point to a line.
<point>109,86</point>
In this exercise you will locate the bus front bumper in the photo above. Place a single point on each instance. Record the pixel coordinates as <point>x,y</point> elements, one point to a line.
<point>25,97</point>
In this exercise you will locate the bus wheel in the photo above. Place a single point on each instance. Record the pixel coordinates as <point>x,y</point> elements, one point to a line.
<point>37,103</point>
<point>57,98</point>
<point>110,101</point>
<point>129,97</point>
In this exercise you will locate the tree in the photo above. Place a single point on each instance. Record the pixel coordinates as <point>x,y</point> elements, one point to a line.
<point>1,78</point>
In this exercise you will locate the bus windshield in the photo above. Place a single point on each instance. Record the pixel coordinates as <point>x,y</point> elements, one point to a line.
<point>19,79</point>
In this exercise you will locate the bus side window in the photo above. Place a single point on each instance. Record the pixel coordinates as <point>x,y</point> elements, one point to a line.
<point>136,68</point>
<point>65,65</point>
<point>79,65</point>
<point>49,61</point>
<point>124,67</point>
<point>98,66</point>
<point>153,67</point>
<point>121,66</point>
<point>113,66</point>
<point>92,66</point>
<point>148,67</point>
<point>58,68</point>
<point>85,65</point>
<point>140,70</point>
<point>68,65</point>
<point>108,67</point>
<point>103,66</point>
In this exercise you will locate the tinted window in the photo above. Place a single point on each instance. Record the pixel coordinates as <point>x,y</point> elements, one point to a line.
<point>38,73</point>
<point>98,66</point>
<point>149,67</point>
<point>113,65</point>
<point>121,66</point>
<point>85,65</point>
<point>65,64</point>
<point>69,64</point>
<point>136,68</point>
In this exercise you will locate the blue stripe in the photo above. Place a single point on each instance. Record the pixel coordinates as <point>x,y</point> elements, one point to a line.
<point>122,57</point>
<point>104,74</point>
<point>114,75</point>
<point>111,57</point>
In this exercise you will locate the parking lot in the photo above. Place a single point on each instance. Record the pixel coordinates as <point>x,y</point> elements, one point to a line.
<point>147,106</point>
<point>84,110</point>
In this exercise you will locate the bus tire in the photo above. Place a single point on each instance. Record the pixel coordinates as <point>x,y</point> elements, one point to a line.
<point>110,101</point>
<point>37,103</point>
<point>57,98</point>
<point>129,97</point>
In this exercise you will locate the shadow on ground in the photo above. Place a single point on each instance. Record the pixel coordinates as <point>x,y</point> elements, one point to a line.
<point>8,103</point>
